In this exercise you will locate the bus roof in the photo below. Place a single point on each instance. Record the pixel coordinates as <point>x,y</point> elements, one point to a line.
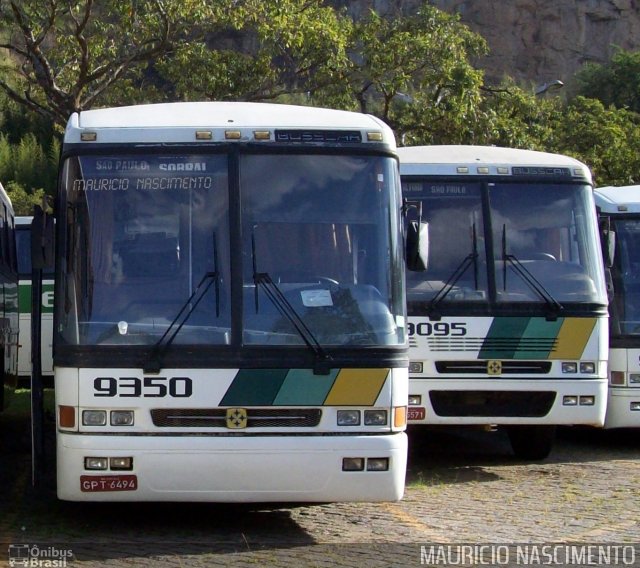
<point>482,160</point>
<point>622,199</point>
<point>177,122</point>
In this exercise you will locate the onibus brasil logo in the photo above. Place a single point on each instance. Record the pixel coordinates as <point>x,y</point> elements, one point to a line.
<point>34,556</point>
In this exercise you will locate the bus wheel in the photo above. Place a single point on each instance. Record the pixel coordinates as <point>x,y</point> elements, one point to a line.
<point>531,442</point>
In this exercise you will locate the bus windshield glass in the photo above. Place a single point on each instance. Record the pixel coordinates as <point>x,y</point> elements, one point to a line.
<point>507,243</point>
<point>625,311</point>
<point>245,256</point>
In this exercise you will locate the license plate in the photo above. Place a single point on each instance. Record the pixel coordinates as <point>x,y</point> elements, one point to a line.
<point>94,483</point>
<point>416,413</point>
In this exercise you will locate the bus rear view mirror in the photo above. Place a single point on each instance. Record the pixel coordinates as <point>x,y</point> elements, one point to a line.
<point>417,246</point>
<point>607,240</point>
<point>42,239</point>
<point>609,243</point>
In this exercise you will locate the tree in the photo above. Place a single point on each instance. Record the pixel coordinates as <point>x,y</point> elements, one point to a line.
<point>22,200</point>
<point>514,117</point>
<point>616,83</point>
<point>264,51</point>
<point>606,139</point>
<point>66,56</point>
<point>412,71</point>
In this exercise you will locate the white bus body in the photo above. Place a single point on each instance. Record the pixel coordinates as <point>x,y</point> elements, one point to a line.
<point>9,327</point>
<point>620,206</point>
<point>230,314</point>
<point>23,247</point>
<point>508,323</point>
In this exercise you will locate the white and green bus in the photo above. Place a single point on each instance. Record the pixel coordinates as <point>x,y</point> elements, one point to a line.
<point>229,306</point>
<point>9,328</point>
<point>619,210</point>
<point>508,324</point>
<point>23,248</point>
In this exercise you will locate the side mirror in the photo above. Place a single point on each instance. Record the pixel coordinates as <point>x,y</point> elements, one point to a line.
<point>417,246</point>
<point>42,239</point>
<point>607,240</point>
<point>609,248</point>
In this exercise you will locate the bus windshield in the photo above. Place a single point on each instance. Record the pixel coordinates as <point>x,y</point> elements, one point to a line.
<point>143,231</point>
<point>507,243</point>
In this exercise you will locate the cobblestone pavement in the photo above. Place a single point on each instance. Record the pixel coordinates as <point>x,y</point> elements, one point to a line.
<point>464,489</point>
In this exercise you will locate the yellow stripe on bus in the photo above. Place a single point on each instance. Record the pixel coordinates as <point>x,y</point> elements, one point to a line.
<point>573,337</point>
<point>356,387</point>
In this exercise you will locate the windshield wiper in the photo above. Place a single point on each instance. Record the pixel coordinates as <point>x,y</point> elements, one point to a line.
<point>279,300</point>
<point>529,279</point>
<point>467,261</point>
<point>154,363</point>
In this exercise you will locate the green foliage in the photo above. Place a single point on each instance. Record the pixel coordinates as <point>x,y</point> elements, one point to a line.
<point>617,83</point>
<point>513,117</point>
<point>607,139</point>
<point>28,164</point>
<point>411,71</point>
<point>73,52</point>
<point>264,50</point>
<point>23,200</point>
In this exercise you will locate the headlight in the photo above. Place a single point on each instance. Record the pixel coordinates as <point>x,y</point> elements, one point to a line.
<point>96,463</point>
<point>348,417</point>
<point>94,417</point>
<point>122,418</point>
<point>375,417</point>
<point>569,367</point>
<point>588,367</point>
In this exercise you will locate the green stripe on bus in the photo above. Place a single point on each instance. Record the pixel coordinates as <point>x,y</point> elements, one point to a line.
<point>499,343</point>
<point>541,335</point>
<point>254,387</point>
<point>302,388</point>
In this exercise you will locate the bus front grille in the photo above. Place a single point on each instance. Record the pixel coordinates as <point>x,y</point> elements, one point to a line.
<point>217,417</point>
<point>481,367</point>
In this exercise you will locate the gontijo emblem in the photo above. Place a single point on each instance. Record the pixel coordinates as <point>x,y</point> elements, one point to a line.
<point>236,418</point>
<point>494,367</point>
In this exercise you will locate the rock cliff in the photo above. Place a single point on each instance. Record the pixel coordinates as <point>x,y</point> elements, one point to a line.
<point>536,41</point>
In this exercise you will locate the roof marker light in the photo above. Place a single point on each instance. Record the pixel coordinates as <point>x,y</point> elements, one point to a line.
<point>204,135</point>
<point>88,136</point>
<point>374,136</point>
<point>462,169</point>
<point>483,170</point>
<point>262,135</point>
<point>232,134</point>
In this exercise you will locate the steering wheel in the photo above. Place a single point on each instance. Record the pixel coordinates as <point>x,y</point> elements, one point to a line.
<point>543,256</point>
<point>328,281</point>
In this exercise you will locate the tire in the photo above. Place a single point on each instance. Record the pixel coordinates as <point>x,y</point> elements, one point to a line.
<point>531,442</point>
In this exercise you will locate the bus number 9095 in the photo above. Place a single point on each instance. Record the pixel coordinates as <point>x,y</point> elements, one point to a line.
<point>439,329</point>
